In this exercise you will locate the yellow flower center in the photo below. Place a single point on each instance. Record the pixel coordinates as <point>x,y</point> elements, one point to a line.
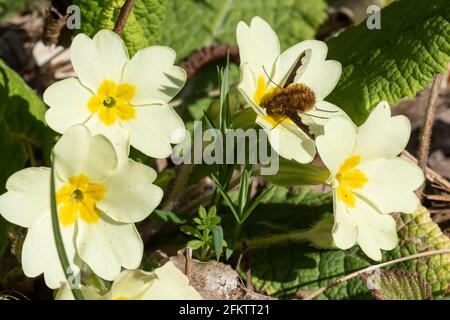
<point>261,90</point>
<point>121,298</point>
<point>77,199</point>
<point>349,179</point>
<point>112,102</point>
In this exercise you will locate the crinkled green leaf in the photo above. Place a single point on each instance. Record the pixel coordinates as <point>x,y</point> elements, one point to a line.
<point>399,285</point>
<point>289,267</point>
<point>191,24</point>
<point>143,27</point>
<point>395,61</point>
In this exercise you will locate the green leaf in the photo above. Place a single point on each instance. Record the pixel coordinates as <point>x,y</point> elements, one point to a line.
<point>165,177</point>
<point>22,124</point>
<point>18,94</point>
<point>191,231</point>
<point>261,197</point>
<point>218,241</point>
<point>396,61</point>
<point>202,212</point>
<point>292,173</point>
<point>226,198</point>
<point>399,285</point>
<point>288,267</point>
<point>244,119</point>
<point>191,24</point>
<point>143,26</point>
<point>21,108</point>
<point>13,154</point>
<point>194,244</point>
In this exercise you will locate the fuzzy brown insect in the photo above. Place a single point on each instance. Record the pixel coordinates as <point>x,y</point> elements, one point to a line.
<point>289,102</point>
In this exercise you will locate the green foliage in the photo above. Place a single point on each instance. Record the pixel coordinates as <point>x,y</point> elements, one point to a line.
<point>245,206</point>
<point>208,233</point>
<point>9,7</point>
<point>394,62</point>
<point>143,27</point>
<point>191,24</point>
<point>399,285</point>
<point>289,266</point>
<point>21,129</point>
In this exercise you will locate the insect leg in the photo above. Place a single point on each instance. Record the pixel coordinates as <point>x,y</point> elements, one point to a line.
<point>312,115</point>
<point>267,75</point>
<point>323,110</point>
<point>284,118</point>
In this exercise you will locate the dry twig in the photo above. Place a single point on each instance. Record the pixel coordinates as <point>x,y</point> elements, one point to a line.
<point>425,135</point>
<point>123,16</point>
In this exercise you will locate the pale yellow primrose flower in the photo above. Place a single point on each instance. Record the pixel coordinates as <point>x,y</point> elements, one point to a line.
<point>120,97</point>
<point>259,50</point>
<point>164,283</point>
<point>100,194</point>
<point>369,181</point>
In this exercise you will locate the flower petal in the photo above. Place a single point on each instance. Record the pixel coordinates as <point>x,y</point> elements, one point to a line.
<point>89,293</point>
<point>131,196</point>
<point>152,72</point>
<point>337,143</point>
<point>132,284</point>
<point>345,232</point>
<point>375,230</point>
<point>68,101</point>
<point>171,284</point>
<point>106,246</point>
<point>289,141</point>
<point>316,118</point>
<point>247,87</point>
<point>391,184</point>
<point>78,152</point>
<point>382,136</point>
<point>162,124</point>
<point>39,253</point>
<point>115,133</point>
<point>98,59</point>
<point>317,73</point>
<point>258,43</point>
<point>28,197</point>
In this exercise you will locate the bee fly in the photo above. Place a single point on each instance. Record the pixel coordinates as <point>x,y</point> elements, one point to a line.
<point>291,100</point>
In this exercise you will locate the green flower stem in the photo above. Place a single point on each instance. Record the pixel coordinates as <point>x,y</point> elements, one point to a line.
<point>78,295</point>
